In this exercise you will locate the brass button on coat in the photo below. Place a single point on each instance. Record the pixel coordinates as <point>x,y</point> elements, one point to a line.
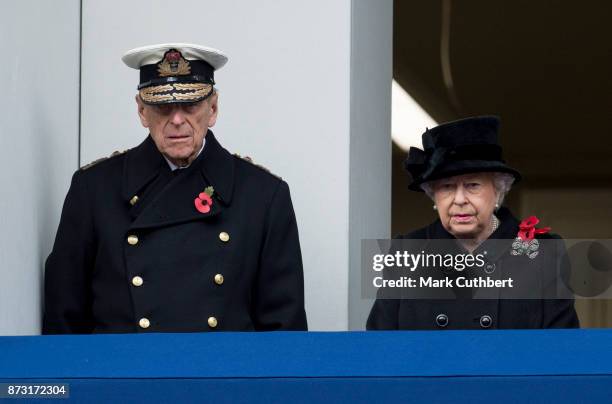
<point>132,239</point>
<point>144,323</point>
<point>219,279</point>
<point>134,200</point>
<point>137,281</point>
<point>212,322</point>
<point>223,236</point>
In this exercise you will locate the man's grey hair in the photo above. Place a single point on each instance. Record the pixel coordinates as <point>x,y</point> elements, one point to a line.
<point>502,181</point>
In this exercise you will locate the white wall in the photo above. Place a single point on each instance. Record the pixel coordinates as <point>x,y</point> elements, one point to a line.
<point>306,93</point>
<point>39,47</point>
<point>370,165</point>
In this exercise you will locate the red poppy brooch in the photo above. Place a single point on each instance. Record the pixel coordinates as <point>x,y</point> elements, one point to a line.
<point>526,243</point>
<point>204,201</point>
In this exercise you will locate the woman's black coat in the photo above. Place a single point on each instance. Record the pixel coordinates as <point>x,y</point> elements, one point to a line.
<point>465,312</point>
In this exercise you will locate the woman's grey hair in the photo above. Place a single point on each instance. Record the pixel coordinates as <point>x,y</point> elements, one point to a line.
<point>502,181</point>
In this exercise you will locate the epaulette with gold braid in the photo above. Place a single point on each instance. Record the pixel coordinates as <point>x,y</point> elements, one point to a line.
<point>93,163</point>
<point>250,160</point>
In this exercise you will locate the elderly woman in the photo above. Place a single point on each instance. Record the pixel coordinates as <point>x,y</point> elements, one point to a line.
<point>462,171</point>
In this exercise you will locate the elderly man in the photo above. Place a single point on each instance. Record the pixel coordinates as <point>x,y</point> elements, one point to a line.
<point>176,234</point>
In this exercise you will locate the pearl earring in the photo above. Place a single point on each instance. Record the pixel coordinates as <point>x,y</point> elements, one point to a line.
<point>435,207</point>
<point>496,206</point>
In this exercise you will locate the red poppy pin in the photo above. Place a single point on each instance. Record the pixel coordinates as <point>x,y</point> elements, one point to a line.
<point>204,201</point>
<point>526,243</point>
<point>527,228</point>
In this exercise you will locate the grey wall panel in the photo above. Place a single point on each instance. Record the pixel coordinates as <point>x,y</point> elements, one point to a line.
<point>39,44</point>
<point>284,101</point>
<point>370,162</point>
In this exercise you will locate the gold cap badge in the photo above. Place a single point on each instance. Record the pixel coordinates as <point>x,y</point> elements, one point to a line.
<point>173,64</point>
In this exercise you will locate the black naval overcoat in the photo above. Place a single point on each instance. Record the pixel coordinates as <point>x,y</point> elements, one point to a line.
<point>466,312</point>
<point>133,254</point>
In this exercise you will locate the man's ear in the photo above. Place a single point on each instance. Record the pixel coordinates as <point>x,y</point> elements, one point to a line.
<point>213,104</point>
<point>141,113</point>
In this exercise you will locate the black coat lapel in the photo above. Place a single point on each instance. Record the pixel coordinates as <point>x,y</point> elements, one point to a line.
<point>217,166</point>
<point>175,203</point>
<point>142,165</point>
<point>501,240</point>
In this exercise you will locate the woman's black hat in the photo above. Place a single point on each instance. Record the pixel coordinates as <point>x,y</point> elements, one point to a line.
<point>460,147</point>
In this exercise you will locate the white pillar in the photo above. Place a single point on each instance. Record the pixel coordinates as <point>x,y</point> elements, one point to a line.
<point>370,134</point>
<point>306,93</point>
<point>39,112</point>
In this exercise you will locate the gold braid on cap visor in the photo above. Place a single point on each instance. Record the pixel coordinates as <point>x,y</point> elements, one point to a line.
<point>185,92</point>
